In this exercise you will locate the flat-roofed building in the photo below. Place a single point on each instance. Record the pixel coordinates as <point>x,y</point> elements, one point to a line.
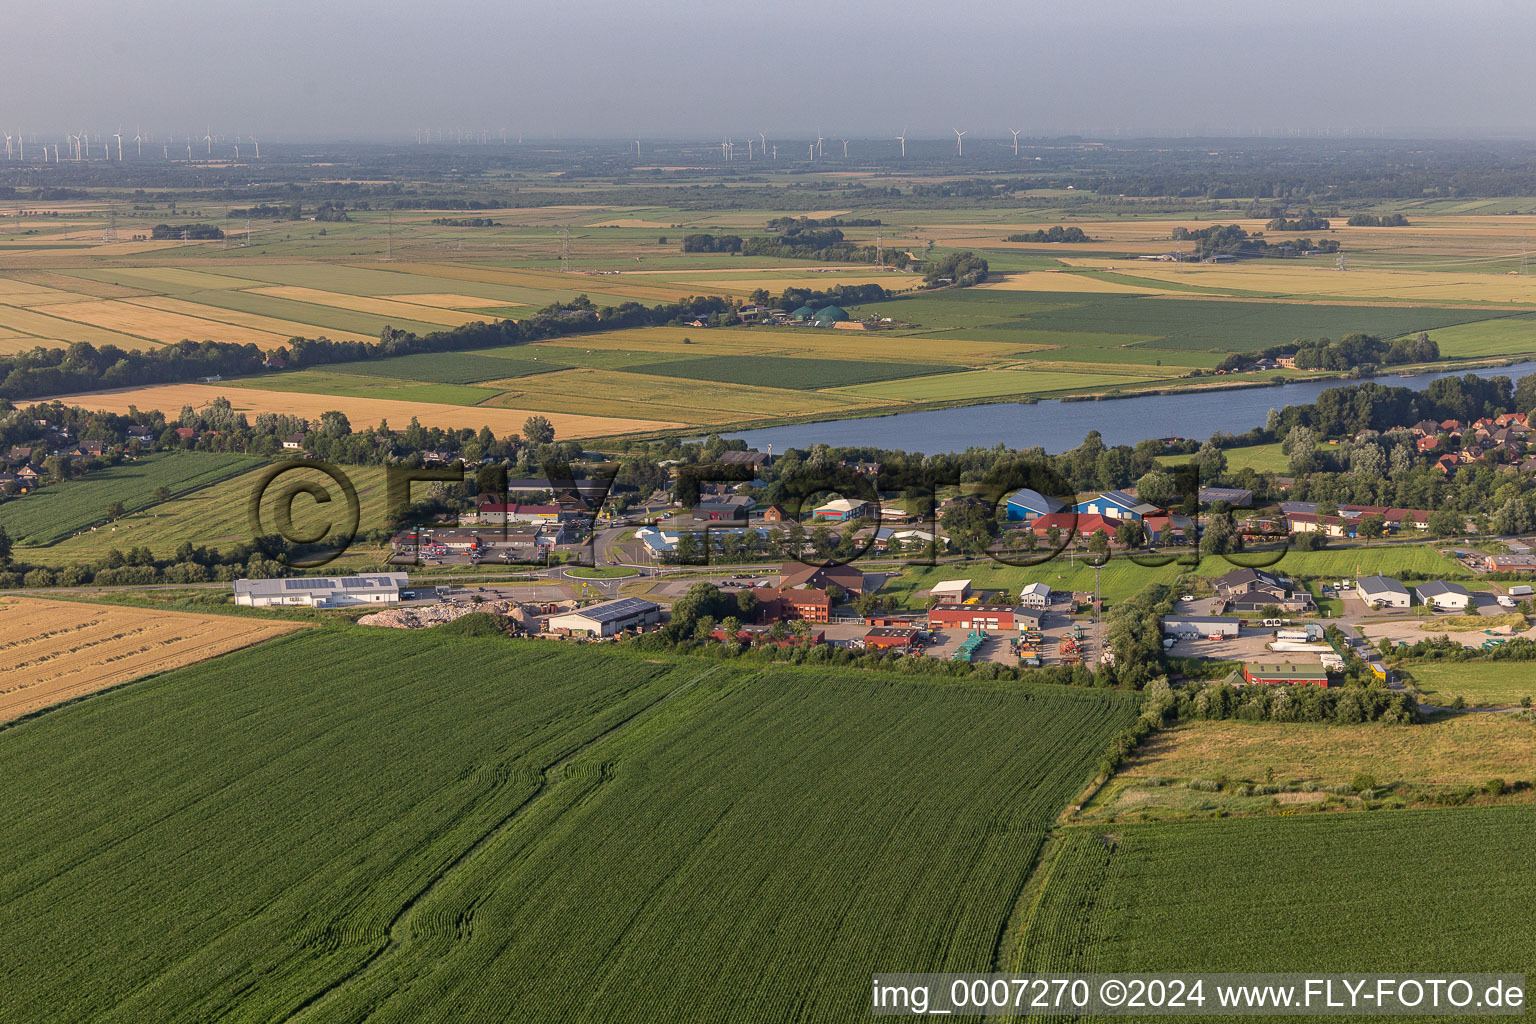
<point>607,618</point>
<point>321,591</point>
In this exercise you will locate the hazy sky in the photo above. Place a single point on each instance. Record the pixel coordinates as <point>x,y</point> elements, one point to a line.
<point>686,67</point>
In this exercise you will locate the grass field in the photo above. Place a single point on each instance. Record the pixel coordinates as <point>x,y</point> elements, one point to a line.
<point>1306,893</point>
<point>55,511</point>
<point>452,367</point>
<point>59,650</point>
<point>533,840</point>
<point>216,516</point>
<point>1452,752</point>
<point>995,384</point>
<point>1486,683</point>
<point>1261,458</point>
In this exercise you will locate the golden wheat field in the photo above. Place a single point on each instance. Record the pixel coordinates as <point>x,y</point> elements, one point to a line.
<point>363,412</point>
<point>56,650</point>
<point>277,328</point>
<point>369,304</point>
<point>159,325</point>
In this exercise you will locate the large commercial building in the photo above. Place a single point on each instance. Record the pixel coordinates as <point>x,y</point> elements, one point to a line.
<point>608,618</point>
<point>321,591</point>
<point>973,616</point>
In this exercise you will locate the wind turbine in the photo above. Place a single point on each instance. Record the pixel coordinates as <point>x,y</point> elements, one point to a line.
<point>86,138</point>
<point>237,151</point>
<point>819,141</point>
<point>1015,140</point>
<point>208,138</point>
<point>637,148</point>
<point>7,145</point>
<point>257,144</point>
<point>165,150</point>
<point>845,149</point>
<point>813,152</point>
<point>189,152</point>
<point>119,138</point>
<point>902,138</point>
<point>138,140</point>
<point>749,147</point>
<point>959,141</point>
<point>762,143</point>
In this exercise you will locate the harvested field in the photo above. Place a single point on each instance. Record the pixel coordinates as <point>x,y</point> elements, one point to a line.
<point>369,411</point>
<point>369,304</point>
<point>449,300</point>
<point>1053,281</point>
<point>253,321</point>
<point>159,325</point>
<point>56,650</point>
<point>48,328</point>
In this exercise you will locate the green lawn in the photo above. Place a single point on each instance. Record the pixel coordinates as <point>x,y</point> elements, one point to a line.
<point>54,511</point>
<point>1498,683</point>
<point>1261,458</point>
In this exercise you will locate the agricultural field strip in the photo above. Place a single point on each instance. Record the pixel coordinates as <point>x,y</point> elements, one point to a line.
<point>311,848</point>
<point>58,510</point>
<point>62,649</point>
<point>1123,901</point>
<point>785,372</point>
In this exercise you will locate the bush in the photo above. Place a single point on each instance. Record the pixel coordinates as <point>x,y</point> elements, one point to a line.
<point>1204,785</point>
<point>1363,781</point>
<point>1495,787</point>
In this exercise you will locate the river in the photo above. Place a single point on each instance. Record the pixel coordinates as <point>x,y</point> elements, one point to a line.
<point>1059,426</point>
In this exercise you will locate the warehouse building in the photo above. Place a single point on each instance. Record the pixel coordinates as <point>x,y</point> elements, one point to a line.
<point>608,618</point>
<point>1382,592</point>
<point>973,616</point>
<point>321,592</point>
<point>1444,597</point>
<point>1225,627</point>
<point>1285,674</point>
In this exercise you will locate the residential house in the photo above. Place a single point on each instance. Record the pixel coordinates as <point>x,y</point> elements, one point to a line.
<point>776,514</point>
<point>1250,590</point>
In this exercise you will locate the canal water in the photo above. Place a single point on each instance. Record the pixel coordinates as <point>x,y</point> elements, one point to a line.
<point>1058,426</point>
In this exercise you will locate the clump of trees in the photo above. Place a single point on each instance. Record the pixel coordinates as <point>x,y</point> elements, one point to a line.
<point>963,268</point>
<point>1371,220</point>
<point>1233,240</point>
<point>1053,234</point>
<point>194,232</point>
<point>705,242</point>
<point>1309,221</point>
<point>466,222</point>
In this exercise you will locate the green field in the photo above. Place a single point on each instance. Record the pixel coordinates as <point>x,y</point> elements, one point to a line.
<point>1120,577</point>
<point>409,826</point>
<point>216,516</point>
<point>970,384</point>
<point>54,511</point>
<point>1169,323</point>
<point>452,367</point>
<point>1261,458</point>
<point>1307,893</point>
<point>1481,683</point>
<point>327,381</point>
<point>785,372</point>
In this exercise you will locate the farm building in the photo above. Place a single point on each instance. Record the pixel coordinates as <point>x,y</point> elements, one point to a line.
<point>973,616</point>
<point>1116,505</point>
<point>803,314</point>
<point>890,636</point>
<point>608,618</point>
<point>1224,626</point>
<point>841,510</point>
<point>950,591</point>
<point>1443,596</point>
<point>321,592</point>
<point>826,316</point>
<point>1284,674</point>
<point>1035,595</point>
<point>1026,505</point>
<point>1382,592</point>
